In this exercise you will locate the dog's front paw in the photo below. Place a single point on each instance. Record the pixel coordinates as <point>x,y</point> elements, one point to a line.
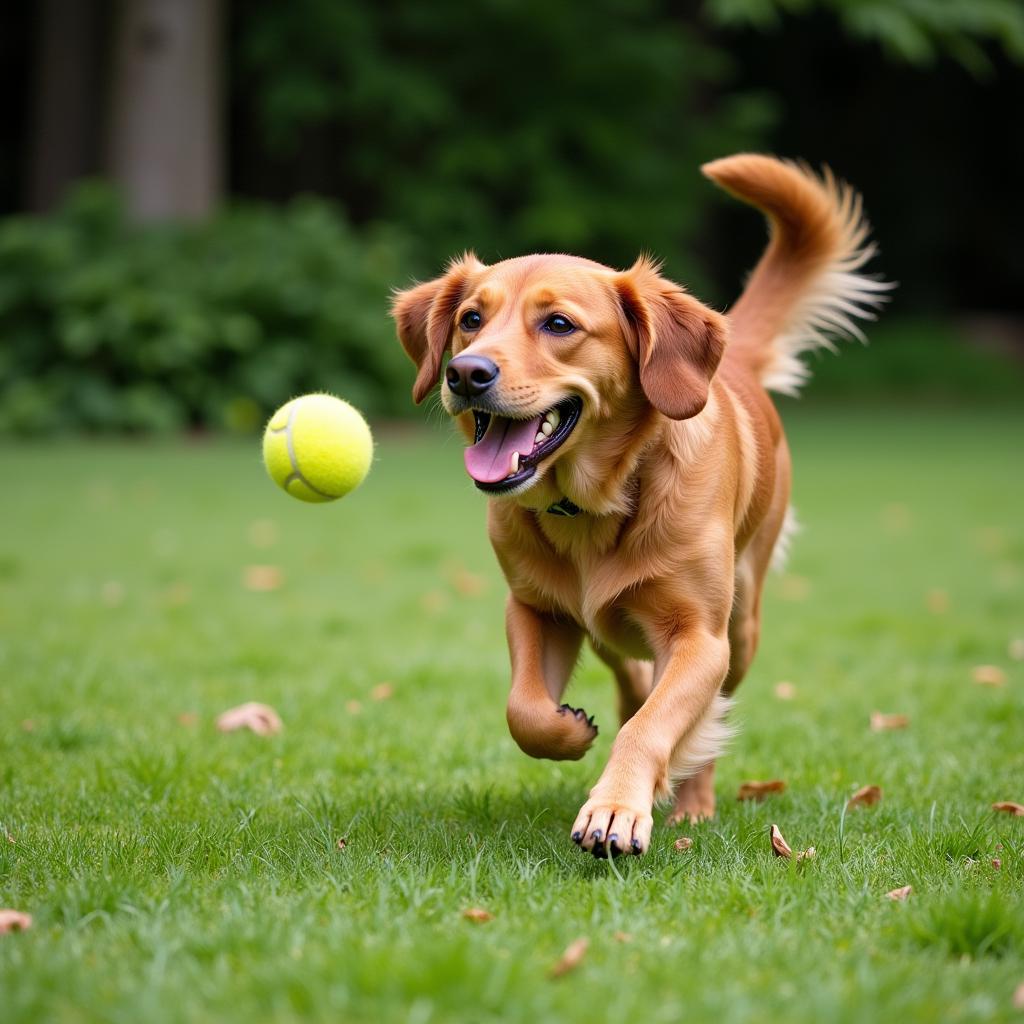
<point>608,827</point>
<point>558,733</point>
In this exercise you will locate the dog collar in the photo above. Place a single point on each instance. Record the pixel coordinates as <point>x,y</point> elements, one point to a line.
<point>565,507</point>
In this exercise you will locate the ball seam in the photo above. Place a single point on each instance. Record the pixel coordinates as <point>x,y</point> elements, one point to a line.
<point>293,459</point>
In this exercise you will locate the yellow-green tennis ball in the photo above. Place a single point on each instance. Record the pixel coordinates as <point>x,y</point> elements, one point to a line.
<point>317,448</point>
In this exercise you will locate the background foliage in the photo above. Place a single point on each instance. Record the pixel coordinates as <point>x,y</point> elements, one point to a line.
<point>111,327</point>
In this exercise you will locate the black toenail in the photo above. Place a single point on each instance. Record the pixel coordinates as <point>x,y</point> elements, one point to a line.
<point>577,837</point>
<point>635,846</point>
<point>597,835</point>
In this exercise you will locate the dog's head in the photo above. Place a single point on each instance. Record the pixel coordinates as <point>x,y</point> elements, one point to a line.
<point>548,351</point>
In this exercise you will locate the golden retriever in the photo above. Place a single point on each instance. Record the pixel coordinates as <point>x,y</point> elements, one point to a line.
<point>638,474</point>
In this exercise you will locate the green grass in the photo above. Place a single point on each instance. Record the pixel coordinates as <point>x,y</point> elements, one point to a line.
<point>176,873</point>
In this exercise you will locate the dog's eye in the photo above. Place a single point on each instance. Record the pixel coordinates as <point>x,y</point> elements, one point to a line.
<point>471,320</point>
<point>559,324</point>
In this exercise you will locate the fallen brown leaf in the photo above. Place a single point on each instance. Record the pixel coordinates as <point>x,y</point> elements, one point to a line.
<point>779,845</point>
<point>571,958</point>
<point>342,843</point>
<point>882,723</point>
<point>382,691</point>
<point>434,601</point>
<point>755,790</point>
<point>898,895</point>
<point>785,691</point>
<point>260,718</point>
<point>866,796</point>
<point>477,914</point>
<point>683,843</point>
<point>262,533</point>
<point>1018,997</point>
<point>176,595</point>
<point>1009,807</point>
<point>897,517</point>
<point>989,675</point>
<point>794,588</point>
<point>14,921</point>
<point>468,584</point>
<point>262,578</point>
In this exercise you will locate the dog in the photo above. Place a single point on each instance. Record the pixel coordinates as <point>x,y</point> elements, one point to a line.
<point>638,475</point>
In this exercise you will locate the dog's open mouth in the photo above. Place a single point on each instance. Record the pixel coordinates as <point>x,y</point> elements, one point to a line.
<point>507,451</point>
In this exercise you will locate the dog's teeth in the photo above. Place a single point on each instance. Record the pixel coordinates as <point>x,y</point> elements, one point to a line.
<point>515,463</point>
<point>546,429</point>
<point>554,418</point>
<point>539,438</point>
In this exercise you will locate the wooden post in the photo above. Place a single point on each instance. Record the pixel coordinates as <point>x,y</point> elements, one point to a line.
<point>165,142</point>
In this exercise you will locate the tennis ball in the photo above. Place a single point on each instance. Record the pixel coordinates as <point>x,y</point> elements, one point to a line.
<point>317,448</point>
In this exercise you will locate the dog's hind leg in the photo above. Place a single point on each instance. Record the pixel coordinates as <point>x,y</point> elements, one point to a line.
<point>544,650</point>
<point>633,679</point>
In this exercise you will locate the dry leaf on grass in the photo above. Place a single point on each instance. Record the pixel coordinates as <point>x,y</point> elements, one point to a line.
<point>466,583</point>
<point>262,578</point>
<point>882,723</point>
<point>684,843</point>
<point>898,895</point>
<point>262,533</point>
<point>14,921</point>
<point>794,588</point>
<point>988,675</point>
<point>477,914</point>
<point>570,959</point>
<point>11,839</point>
<point>866,796</point>
<point>1018,997</point>
<point>755,790</point>
<point>382,691</point>
<point>342,843</point>
<point>779,845</point>
<point>785,691</point>
<point>260,718</point>
<point>782,849</point>
<point>1009,807</point>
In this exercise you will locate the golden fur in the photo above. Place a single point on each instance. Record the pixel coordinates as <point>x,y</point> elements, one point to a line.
<point>678,463</point>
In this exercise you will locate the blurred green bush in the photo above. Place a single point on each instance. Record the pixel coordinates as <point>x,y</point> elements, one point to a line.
<point>111,327</point>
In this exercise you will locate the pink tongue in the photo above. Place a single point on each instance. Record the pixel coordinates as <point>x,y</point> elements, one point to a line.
<point>490,459</point>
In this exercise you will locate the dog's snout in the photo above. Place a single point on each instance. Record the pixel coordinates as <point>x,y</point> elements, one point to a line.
<point>470,376</point>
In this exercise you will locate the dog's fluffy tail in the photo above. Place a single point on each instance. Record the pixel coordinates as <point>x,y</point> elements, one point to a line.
<point>808,288</point>
<point>700,746</point>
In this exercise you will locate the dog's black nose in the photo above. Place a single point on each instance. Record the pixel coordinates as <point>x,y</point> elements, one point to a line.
<point>470,376</point>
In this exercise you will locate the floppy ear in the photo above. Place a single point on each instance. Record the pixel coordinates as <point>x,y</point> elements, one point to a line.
<point>424,317</point>
<point>676,340</point>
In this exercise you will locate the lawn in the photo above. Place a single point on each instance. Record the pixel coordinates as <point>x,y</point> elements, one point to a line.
<point>178,873</point>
